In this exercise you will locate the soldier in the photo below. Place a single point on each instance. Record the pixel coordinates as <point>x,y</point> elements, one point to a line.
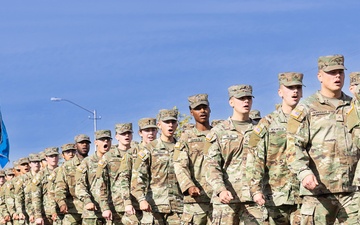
<point>65,197</point>
<point>255,115</point>
<point>272,183</point>
<point>68,151</point>
<point>114,178</point>
<point>24,205</point>
<point>320,150</point>
<point>4,213</point>
<point>153,182</point>
<point>226,153</point>
<point>189,164</point>
<point>147,131</point>
<point>9,174</point>
<point>44,204</point>
<point>87,188</point>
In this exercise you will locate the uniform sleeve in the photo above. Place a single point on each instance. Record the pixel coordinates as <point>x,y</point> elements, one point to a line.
<point>36,187</point>
<point>255,164</point>
<point>10,198</point>
<point>214,174</point>
<point>61,188</point>
<point>19,196</point>
<point>102,175</point>
<point>181,166</point>
<point>141,175</point>
<point>297,157</point>
<point>82,188</point>
<point>123,180</point>
<point>51,190</point>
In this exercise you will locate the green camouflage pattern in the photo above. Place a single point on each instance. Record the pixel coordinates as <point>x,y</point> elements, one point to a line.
<point>9,195</point>
<point>267,169</point>
<point>144,123</point>
<point>354,78</point>
<point>290,78</point>
<point>331,62</point>
<point>22,193</point>
<point>167,114</point>
<point>319,143</point>
<point>103,134</point>
<point>121,128</point>
<point>154,179</point>
<point>240,90</point>
<point>226,157</point>
<point>87,188</point>
<point>199,99</point>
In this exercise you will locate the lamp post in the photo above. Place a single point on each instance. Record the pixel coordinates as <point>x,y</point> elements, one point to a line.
<point>94,115</point>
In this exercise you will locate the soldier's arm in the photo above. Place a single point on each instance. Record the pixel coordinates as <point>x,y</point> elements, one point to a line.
<point>36,187</point>
<point>123,180</point>
<point>51,190</point>
<point>102,174</point>
<point>140,175</point>
<point>61,188</point>
<point>214,160</point>
<point>9,198</point>
<point>19,196</point>
<point>181,166</point>
<point>297,157</point>
<point>82,189</point>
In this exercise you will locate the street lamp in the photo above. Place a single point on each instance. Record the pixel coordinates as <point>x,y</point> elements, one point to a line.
<point>94,117</point>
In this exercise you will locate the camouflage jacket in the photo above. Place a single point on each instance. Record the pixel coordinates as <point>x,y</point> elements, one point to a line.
<point>65,186</point>
<point>22,194</point>
<point>189,165</point>
<point>267,169</point>
<point>43,202</point>
<point>114,179</point>
<point>87,187</point>
<point>9,195</point>
<point>319,143</point>
<point>154,179</point>
<point>3,209</point>
<point>226,154</point>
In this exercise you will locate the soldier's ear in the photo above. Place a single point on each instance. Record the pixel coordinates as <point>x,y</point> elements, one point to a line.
<point>280,93</point>
<point>319,75</point>
<point>231,102</point>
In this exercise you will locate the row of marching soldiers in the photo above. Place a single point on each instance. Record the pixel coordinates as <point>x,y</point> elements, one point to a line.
<point>297,165</point>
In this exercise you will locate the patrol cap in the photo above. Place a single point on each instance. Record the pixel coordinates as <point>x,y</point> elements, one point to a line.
<point>82,137</point>
<point>23,160</point>
<point>67,147</point>
<point>34,158</point>
<point>147,123</point>
<point>167,114</point>
<point>290,78</point>
<point>239,91</point>
<point>2,173</point>
<point>51,151</point>
<point>42,155</point>
<point>199,99</point>
<point>102,134</point>
<point>354,78</point>
<point>121,128</point>
<point>255,114</point>
<point>9,171</point>
<point>331,62</point>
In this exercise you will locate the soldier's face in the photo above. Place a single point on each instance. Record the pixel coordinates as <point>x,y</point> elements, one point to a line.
<point>168,127</point>
<point>69,154</point>
<point>35,166</point>
<point>124,138</point>
<point>291,95</point>
<point>52,160</point>
<point>103,145</point>
<point>24,168</point>
<point>9,177</point>
<point>241,105</point>
<point>331,81</point>
<point>83,148</point>
<point>201,113</point>
<point>148,134</point>
<point>2,180</point>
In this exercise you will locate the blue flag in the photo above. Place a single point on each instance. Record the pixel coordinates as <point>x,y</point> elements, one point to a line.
<point>4,144</point>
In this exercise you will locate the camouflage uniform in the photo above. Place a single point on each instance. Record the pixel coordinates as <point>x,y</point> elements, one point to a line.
<point>10,197</point>
<point>65,191</point>
<point>3,209</point>
<point>114,173</point>
<point>154,179</point>
<point>319,144</point>
<point>226,153</point>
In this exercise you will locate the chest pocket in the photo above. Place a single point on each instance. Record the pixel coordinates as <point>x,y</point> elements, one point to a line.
<point>277,142</point>
<point>114,165</point>
<point>160,161</point>
<point>231,149</point>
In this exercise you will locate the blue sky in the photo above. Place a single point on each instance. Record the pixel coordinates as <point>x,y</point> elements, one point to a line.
<point>128,59</point>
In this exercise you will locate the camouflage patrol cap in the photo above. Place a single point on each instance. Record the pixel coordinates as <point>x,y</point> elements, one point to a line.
<point>102,134</point>
<point>147,123</point>
<point>290,78</point>
<point>354,78</point>
<point>2,173</point>
<point>16,164</point>
<point>67,147</point>
<point>239,91</point>
<point>331,62</point>
<point>51,151</point>
<point>42,155</point>
<point>23,160</point>
<point>199,99</point>
<point>9,171</point>
<point>34,158</point>
<point>167,114</point>
<point>255,114</point>
<point>121,128</point>
<point>82,137</point>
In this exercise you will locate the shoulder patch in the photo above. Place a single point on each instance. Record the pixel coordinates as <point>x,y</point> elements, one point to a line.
<point>143,155</point>
<point>210,137</point>
<point>260,130</point>
<point>81,168</point>
<point>298,114</point>
<point>102,162</point>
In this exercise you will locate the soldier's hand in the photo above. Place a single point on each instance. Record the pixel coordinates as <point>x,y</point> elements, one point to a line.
<point>7,218</point>
<point>90,206</point>
<point>15,216</point>
<point>225,197</point>
<point>310,182</point>
<point>259,199</point>
<point>129,209</point>
<point>39,221</point>
<point>54,217</point>
<point>194,191</point>
<point>145,206</point>
<point>21,216</point>
<point>64,208</point>
<point>107,214</point>
<point>32,219</point>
